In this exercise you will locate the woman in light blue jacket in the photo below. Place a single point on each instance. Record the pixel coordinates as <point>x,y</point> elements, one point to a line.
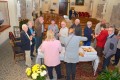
<point>72,53</point>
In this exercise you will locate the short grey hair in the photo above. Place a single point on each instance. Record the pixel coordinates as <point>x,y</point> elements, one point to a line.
<point>24,26</point>
<point>112,26</point>
<point>78,20</point>
<point>29,22</point>
<point>89,22</point>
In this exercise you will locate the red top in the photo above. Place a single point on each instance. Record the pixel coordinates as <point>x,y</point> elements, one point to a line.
<point>101,38</point>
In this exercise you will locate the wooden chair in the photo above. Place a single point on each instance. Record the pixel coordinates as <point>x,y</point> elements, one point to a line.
<point>16,41</point>
<point>18,52</point>
<point>11,36</point>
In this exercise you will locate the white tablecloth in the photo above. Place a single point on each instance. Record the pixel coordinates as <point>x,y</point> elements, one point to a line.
<point>93,58</point>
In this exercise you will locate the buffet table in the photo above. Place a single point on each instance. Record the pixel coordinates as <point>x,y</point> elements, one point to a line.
<point>87,57</point>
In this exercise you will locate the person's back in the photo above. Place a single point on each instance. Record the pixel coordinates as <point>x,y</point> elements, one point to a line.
<point>51,51</point>
<point>72,49</point>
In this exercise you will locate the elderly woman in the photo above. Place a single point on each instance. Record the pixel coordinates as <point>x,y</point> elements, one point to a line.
<point>72,53</point>
<point>88,33</point>
<point>31,32</point>
<point>63,32</point>
<point>51,48</point>
<point>54,28</point>
<point>26,43</point>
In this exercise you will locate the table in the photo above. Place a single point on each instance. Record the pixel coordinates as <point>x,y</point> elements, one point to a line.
<point>86,58</point>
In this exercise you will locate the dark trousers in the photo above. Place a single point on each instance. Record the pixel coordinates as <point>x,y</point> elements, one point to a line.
<point>38,42</point>
<point>106,62</point>
<point>117,56</point>
<point>87,43</point>
<point>70,70</point>
<point>57,69</point>
<point>99,51</point>
<point>32,48</point>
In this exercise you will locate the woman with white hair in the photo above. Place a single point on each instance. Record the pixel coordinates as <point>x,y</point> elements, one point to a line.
<point>88,33</point>
<point>63,32</point>
<point>51,48</point>
<point>25,43</point>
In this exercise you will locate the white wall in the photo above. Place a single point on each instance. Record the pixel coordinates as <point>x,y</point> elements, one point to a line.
<point>13,20</point>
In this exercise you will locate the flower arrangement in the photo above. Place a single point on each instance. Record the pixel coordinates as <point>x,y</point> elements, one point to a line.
<point>37,72</point>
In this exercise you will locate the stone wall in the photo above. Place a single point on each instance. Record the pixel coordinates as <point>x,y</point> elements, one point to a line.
<point>115,17</point>
<point>23,9</point>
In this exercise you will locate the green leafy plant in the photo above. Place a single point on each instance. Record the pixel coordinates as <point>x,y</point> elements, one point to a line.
<point>109,75</point>
<point>22,21</point>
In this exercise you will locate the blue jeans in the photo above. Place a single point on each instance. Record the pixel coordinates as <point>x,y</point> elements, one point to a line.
<point>58,71</point>
<point>87,43</point>
<point>70,70</point>
<point>106,62</point>
<point>38,42</point>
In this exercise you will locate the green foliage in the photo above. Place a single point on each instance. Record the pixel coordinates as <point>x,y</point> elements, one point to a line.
<point>22,21</point>
<point>109,75</point>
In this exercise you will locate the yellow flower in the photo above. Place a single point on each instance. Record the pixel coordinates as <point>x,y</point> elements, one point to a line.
<point>34,76</point>
<point>43,66</point>
<point>28,71</point>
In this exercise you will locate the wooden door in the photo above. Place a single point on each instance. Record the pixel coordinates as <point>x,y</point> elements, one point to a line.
<point>63,7</point>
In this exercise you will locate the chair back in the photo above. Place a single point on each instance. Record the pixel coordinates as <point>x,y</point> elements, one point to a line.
<point>11,36</point>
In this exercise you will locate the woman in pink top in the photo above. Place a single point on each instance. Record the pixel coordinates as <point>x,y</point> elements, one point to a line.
<point>51,48</point>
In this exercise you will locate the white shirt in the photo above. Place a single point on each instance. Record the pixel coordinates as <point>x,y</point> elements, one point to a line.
<point>64,33</point>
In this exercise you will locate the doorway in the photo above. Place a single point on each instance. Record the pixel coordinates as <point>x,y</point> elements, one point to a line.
<point>63,7</point>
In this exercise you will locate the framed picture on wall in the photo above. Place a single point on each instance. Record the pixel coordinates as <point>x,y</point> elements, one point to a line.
<point>4,13</point>
<point>79,2</point>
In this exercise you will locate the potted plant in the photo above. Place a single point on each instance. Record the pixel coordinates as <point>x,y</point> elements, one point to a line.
<point>21,22</point>
<point>109,75</point>
<point>37,72</point>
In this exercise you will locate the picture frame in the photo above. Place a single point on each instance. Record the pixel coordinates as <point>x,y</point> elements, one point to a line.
<point>79,2</point>
<point>4,12</point>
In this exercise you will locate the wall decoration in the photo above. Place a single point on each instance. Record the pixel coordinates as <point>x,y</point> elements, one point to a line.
<point>79,2</point>
<point>115,17</point>
<point>4,12</point>
<point>99,11</point>
<point>72,3</point>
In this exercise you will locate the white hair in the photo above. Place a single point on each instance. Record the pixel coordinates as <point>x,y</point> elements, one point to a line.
<point>24,26</point>
<point>89,22</point>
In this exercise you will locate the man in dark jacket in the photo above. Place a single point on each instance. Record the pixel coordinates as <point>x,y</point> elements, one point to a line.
<point>88,33</point>
<point>26,43</point>
<point>77,27</point>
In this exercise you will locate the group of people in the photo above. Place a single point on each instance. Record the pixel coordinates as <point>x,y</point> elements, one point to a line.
<point>69,38</point>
